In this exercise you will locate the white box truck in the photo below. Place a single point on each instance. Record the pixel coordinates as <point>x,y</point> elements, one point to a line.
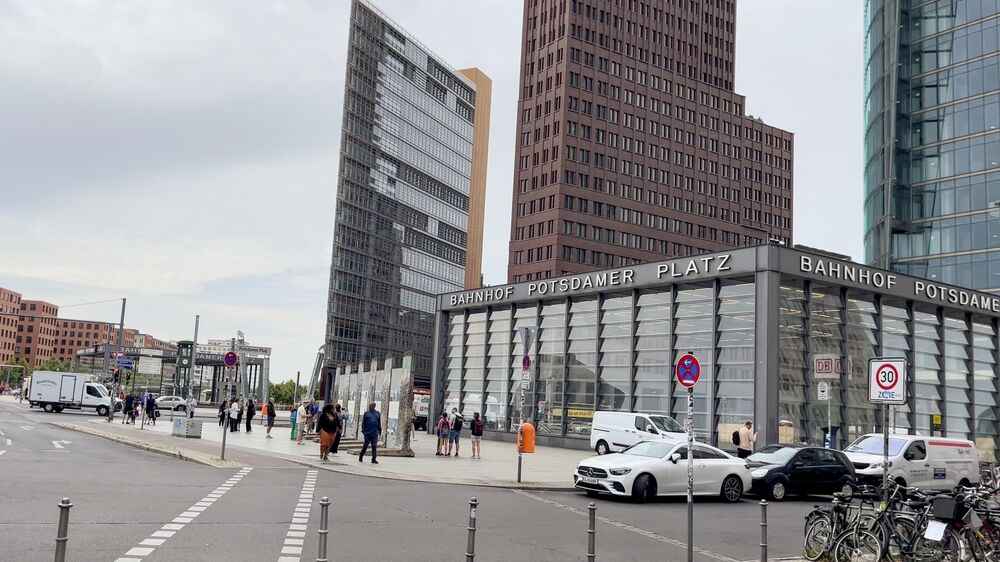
<point>53,391</point>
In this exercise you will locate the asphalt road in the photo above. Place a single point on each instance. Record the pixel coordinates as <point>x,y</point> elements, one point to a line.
<point>123,496</point>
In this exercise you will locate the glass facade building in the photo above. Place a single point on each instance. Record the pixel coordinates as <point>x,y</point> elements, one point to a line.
<point>410,194</point>
<point>767,323</point>
<point>932,139</point>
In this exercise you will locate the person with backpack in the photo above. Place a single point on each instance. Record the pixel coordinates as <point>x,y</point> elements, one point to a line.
<point>443,427</point>
<point>744,439</point>
<point>477,435</point>
<point>456,431</point>
<point>270,413</point>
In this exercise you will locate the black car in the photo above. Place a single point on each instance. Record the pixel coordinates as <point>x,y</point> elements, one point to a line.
<point>779,470</point>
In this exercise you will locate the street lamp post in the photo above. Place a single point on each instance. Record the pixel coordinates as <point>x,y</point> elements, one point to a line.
<point>119,346</point>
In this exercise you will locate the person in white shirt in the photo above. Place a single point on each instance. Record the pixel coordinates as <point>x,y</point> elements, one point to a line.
<point>190,406</point>
<point>747,439</point>
<point>234,412</point>
<point>301,415</point>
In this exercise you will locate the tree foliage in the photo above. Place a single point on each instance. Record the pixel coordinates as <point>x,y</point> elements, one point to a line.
<point>284,392</point>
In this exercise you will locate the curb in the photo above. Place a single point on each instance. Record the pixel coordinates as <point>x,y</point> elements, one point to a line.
<point>198,458</point>
<point>499,484</point>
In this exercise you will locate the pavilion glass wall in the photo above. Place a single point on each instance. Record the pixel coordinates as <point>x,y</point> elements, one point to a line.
<point>984,338</point>
<point>897,342</point>
<point>453,361</point>
<point>653,359</point>
<point>735,367</point>
<point>525,316</point>
<point>551,368</point>
<point>826,336</point>
<point>615,353</point>
<point>497,391</point>
<point>793,422</point>
<point>862,344</point>
<point>694,332</point>
<point>475,363</point>
<point>958,405</point>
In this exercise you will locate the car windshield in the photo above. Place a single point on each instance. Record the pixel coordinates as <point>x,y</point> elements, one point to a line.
<point>101,390</point>
<point>873,444</point>
<point>667,424</point>
<point>653,449</point>
<point>773,454</point>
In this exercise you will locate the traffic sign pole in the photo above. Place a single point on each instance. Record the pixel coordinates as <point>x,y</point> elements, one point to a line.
<point>688,372</point>
<point>886,385</point>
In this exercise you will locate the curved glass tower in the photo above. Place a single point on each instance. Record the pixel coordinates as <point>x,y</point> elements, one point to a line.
<point>932,139</point>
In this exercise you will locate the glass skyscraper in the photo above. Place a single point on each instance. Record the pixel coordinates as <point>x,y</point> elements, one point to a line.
<point>932,139</point>
<point>410,194</point>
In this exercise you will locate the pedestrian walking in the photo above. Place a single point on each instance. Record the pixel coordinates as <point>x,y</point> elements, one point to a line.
<point>127,408</point>
<point>239,414</point>
<point>222,413</point>
<point>443,426</point>
<point>190,406</point>
<point>744,439</point>
<point>371,427</point>
<point>251,410</point>
<point>310,416</point>
<point>303,415</point>
<point>328,426</point>
<point>477,435</point>
<point>234,416</point>
<point>457,421</point>
<point>342,418</point>
<point>271,414</point>
<point>294,416</point>
<point>151,408</point>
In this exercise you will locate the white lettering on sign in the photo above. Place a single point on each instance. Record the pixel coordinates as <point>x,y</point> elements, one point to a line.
<point>694,267</point>
<point>583,282</point>
<point>954,295</point>
<point>847,272</point>
<point>482,295</point>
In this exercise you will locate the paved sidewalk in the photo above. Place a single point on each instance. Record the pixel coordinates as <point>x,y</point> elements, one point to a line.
<point>547,468</point>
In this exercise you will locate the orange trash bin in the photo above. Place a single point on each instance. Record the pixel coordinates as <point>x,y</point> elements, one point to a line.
<point>526,438</point>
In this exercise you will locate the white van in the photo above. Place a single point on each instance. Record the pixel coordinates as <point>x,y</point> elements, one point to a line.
<point>933,463</point>
<point>614,431</point>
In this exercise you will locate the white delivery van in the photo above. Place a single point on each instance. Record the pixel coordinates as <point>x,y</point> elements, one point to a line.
<point>614,431</point>
<point>54,392</point>
<point>932,463</point>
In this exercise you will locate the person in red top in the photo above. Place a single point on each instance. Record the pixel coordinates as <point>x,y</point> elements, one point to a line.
<point>443,426</point>
<point>477,435</point>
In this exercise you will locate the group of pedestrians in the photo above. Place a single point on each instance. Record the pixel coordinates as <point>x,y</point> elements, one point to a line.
<point>134,404</point>
<point>449,433</point>
<point>236,409</point>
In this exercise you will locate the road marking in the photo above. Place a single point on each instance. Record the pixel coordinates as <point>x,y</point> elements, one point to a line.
<point>630,528</point>
<point>2,451</point>
<point>2,434</point>
<point>295,537</point>
<point>59,444</point>
<point>8,442</point>
<point>148,545</point>
<point>26,427</point>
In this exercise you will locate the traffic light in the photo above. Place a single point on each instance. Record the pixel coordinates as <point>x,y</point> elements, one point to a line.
<point>118,374</point>
<point>128,377</point>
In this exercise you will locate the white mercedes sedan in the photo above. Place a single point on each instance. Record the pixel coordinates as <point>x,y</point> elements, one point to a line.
<point>659,468</point>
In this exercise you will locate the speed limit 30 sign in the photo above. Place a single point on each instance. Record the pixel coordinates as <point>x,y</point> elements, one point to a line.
<point>887,380</point>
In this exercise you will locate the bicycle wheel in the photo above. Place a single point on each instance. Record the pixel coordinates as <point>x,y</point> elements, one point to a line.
<point>951,548</point>
<point>857,546</point>
<point>819,537</point>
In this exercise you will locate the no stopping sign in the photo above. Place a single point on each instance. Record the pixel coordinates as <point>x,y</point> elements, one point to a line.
<point>887,380</point>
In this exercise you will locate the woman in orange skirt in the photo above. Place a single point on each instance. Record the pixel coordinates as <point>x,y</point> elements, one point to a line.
<point>328,426</point>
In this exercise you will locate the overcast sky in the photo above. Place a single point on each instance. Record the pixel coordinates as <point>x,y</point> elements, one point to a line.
<point>184,154</point>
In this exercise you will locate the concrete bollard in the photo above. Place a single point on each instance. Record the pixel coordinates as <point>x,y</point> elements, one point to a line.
<point>324,522</point>
<point>470,547</point>
<point>763,530</point>
<point>62,533</point>
<point>591,532</point>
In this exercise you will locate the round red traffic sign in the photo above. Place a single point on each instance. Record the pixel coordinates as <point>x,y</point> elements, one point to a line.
<point>231,359</point>
<point>688,370</point>
<point>886,376</point>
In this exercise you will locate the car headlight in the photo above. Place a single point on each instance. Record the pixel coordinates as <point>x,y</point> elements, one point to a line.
<point>875,465</point>
<point>760,473</point>
<point>620,471</point>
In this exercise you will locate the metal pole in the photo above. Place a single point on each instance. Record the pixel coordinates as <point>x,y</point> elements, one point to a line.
<point>829,417</point>
<point>520,456</point>
<point>470,548</point>
<point>118,347</point>
<point>763,530</point>
<point>194,358</point>
<point>591,532</point>
<point>225,430</point>
<point>324,511</point>
<point>62,533</point>
<point>690,475</point>
<point>295,394</point>
<point>885,454</point>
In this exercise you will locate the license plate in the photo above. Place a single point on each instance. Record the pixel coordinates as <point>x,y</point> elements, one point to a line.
<point>588,480</point>
<point>935,530</point>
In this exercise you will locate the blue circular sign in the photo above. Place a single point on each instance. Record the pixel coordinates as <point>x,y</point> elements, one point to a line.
<point>688,370</point>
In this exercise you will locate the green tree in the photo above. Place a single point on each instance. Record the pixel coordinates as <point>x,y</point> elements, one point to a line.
<point>284,392</point>
<point>54,364</point>
<point>17,374</point>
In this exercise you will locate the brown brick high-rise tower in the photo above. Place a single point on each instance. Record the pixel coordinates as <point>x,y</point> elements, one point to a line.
<point>632,145</point>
